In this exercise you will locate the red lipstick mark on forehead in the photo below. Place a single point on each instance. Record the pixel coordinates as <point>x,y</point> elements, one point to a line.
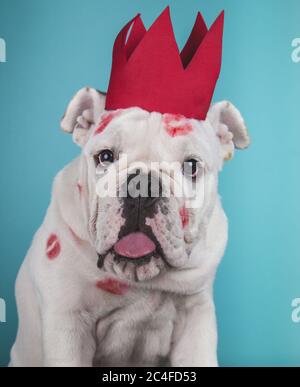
<point>184,217</point>
<point>177,125</point>
<point>113,286</point>
<point>105,121</point>
<point>53,247</point>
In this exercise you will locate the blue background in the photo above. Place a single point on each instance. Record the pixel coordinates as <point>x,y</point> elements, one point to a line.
<point>56,47</point>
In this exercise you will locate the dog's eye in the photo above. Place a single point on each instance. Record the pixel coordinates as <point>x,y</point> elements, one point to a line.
<point>191,168</point>
<point>105,157</point>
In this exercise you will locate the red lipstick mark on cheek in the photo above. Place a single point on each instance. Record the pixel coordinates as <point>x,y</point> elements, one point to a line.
<point>106,120</point>
<point>184,217</point>
<point>53,247</point>
<point>113,286</point>
<point>177,125</point>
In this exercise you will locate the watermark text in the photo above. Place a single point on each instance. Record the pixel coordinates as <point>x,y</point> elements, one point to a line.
<point>2,51</point>
<point>296,310</point>
<point>2,311</point>
<point>186,180</point>
<point>296,50</point>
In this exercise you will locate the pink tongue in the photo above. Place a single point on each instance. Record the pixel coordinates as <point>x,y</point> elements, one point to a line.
<point>134,245</point>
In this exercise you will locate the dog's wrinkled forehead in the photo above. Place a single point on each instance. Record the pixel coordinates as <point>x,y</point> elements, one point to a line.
<point>153,136</point>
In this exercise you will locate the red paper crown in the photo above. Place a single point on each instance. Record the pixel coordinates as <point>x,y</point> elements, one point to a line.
<point>149,72</point>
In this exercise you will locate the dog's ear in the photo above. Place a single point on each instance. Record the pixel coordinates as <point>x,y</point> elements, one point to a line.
<point>82,113</point>
<point>230,128</point>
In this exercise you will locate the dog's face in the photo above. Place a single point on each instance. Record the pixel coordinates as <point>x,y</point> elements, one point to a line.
<point>152,180</point>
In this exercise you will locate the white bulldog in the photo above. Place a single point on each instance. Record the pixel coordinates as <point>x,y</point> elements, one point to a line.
<point>127,280</point>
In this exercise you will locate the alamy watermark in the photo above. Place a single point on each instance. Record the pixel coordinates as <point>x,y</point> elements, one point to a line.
<point>296,50</point>
<point>296,310</point>
<point>2,60</point>
<point>157,179</point>
<point>2,311</point>
<point>2,51</point>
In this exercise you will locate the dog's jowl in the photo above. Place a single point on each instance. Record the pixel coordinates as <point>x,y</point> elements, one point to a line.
<point>121,271</point>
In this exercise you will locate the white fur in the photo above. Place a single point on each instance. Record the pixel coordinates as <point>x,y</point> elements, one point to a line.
<point>64,320</point>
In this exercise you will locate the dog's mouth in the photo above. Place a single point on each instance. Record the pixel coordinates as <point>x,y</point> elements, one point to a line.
<point>135,245</point>
<point>135,257</point>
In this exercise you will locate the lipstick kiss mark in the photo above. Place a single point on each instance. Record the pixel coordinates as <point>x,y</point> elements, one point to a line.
<point>53,247</point>
<point>79,187</point>
<point>113,286</point>
<point>177,125</point>
<point>184,217</point>
<point>106,120</point>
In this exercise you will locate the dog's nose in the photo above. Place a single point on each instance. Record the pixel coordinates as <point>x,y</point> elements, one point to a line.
<point>144,188</point>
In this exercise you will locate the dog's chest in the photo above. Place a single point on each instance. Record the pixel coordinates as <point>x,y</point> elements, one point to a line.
<point>137,334</point>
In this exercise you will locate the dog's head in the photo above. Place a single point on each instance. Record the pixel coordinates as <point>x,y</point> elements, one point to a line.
<point>151,180</point>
